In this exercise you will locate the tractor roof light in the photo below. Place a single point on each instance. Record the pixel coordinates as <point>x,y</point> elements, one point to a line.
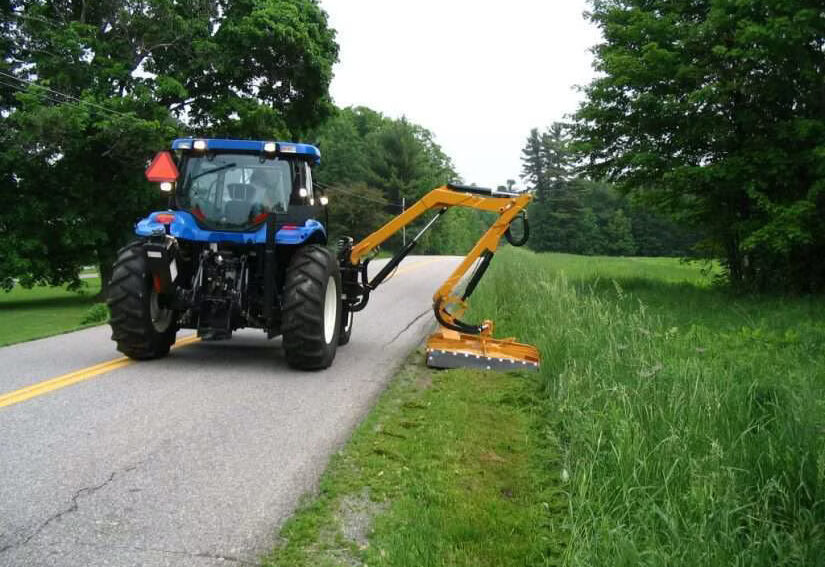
<point>199,145</point>
<point>288,149</point>
<point>270,147</point>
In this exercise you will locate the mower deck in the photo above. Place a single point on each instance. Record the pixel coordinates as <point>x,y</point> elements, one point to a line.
<point>451,349</point>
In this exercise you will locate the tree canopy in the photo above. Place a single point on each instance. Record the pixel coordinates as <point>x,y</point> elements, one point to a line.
<point>372,163</point>
<point>90,89</point>
<point>715,112</point>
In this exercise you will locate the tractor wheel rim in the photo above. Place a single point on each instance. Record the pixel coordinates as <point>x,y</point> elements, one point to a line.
<point>330,309</point>
<point>161,318</point>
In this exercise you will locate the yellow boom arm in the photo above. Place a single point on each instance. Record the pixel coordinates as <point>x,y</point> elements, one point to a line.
<point>455,344</point>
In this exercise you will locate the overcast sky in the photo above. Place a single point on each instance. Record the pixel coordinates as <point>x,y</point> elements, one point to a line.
<point>477,74</point>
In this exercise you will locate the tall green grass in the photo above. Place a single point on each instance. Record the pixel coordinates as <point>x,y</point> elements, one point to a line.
<point>692,422</point>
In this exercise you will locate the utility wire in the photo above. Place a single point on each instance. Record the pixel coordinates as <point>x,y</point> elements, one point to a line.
<point>384,202</point>
<point>67,96</point>
<point>22,89</point>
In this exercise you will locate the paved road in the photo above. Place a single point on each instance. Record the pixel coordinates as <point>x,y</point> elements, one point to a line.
<point>195,459</point>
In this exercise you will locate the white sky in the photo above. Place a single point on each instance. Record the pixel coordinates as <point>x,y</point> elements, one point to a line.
<point>478,74</point>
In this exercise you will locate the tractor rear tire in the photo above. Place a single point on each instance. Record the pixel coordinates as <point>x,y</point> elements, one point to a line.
<point>311,311</point>
<point>142,329</point>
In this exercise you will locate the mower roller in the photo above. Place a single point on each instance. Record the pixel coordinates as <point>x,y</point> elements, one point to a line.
<point>244,244</point>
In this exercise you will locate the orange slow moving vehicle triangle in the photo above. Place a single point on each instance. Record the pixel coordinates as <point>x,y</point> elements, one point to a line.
<point>162,168</point>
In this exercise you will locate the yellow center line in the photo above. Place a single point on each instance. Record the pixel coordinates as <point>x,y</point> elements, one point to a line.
<point>46,386</point>
<point>40,388</point>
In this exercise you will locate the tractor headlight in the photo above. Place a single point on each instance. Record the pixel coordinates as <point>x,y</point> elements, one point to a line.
<point>324,200</point>
<point>166,186</point>
<point>199,145</point>
<point>303,192</point>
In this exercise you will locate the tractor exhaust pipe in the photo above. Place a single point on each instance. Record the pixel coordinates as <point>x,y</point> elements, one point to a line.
<point>270,272</point>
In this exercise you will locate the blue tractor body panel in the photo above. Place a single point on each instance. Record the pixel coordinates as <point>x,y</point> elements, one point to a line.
<point>184,226</point>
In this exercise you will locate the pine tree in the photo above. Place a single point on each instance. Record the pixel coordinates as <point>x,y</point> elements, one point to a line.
<point>589,239</point>
<point>619,235</point>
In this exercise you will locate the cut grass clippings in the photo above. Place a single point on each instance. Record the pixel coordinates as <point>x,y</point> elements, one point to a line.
<point>446,470</point>
<point>42,311</point>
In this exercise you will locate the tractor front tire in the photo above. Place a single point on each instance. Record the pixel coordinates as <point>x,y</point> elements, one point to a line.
<point>141,328</point>
<point>311,311</point>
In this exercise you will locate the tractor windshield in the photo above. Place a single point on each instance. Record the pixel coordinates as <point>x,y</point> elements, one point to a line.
<point>234,191</point>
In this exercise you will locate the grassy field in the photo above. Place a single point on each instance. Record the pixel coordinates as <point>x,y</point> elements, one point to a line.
<point>27,314</point>
<point>671,424</point>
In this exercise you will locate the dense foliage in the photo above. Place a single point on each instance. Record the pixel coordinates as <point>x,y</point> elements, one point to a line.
<point>373,164</point>
<point>715,111</point>
<point>90,89</point>
<point>573,213</point>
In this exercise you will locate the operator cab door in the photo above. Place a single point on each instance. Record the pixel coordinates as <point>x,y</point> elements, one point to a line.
<point>304,203</point>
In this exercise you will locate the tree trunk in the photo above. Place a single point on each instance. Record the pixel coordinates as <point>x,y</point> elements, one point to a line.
<point>105,261</point>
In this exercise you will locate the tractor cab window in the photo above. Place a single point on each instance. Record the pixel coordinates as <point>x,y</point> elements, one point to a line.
<point>234,191</point>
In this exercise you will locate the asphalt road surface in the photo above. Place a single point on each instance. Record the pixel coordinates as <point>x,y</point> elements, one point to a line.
<point>194,459</point>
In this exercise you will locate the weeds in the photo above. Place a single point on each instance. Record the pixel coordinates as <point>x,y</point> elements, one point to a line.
<point>691,422</point>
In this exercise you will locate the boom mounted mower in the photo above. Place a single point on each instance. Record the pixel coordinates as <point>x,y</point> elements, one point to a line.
<point>243,244</point>
<point>455,344</point>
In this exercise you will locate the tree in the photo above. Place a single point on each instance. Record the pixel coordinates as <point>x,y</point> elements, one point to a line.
<point>547,169</point>
<point>90,89</point>
<point>399,159</point>
<point>714,112</point>
<point>619,235</point>
<point>589,239</point>
<point>356,210</point>
<point>533,169</point>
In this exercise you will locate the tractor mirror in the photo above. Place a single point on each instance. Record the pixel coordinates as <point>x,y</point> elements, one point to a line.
<point>162,169</point>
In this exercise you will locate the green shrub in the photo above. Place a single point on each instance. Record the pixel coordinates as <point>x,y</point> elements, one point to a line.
<point>97,313</point>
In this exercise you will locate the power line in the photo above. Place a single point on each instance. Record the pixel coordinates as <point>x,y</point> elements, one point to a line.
<point>81,101</point>
<point>352,193</point>
<point>22,89</point>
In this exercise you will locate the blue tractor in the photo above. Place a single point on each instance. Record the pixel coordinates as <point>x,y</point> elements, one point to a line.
<point>243,244</point>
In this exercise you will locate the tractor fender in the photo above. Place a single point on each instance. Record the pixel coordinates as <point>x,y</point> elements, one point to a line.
<point>184,226</point>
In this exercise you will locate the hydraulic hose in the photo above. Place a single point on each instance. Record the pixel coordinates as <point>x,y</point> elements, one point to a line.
<point>525,232</point>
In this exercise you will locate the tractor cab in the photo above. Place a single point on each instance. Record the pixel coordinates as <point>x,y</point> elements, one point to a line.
<point>234,185</point>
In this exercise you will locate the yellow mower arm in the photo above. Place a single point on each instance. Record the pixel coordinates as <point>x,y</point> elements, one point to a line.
<point>456,343</point>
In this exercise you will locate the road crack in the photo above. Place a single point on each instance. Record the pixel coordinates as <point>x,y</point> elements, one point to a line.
<point>73,506</point>
<point>407,328</point>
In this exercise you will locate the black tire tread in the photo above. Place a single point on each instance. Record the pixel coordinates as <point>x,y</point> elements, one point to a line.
<point>302,323</point>
<point>131,324</point>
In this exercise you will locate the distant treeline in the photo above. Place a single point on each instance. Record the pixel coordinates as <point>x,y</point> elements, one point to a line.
<point>572,213</point>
